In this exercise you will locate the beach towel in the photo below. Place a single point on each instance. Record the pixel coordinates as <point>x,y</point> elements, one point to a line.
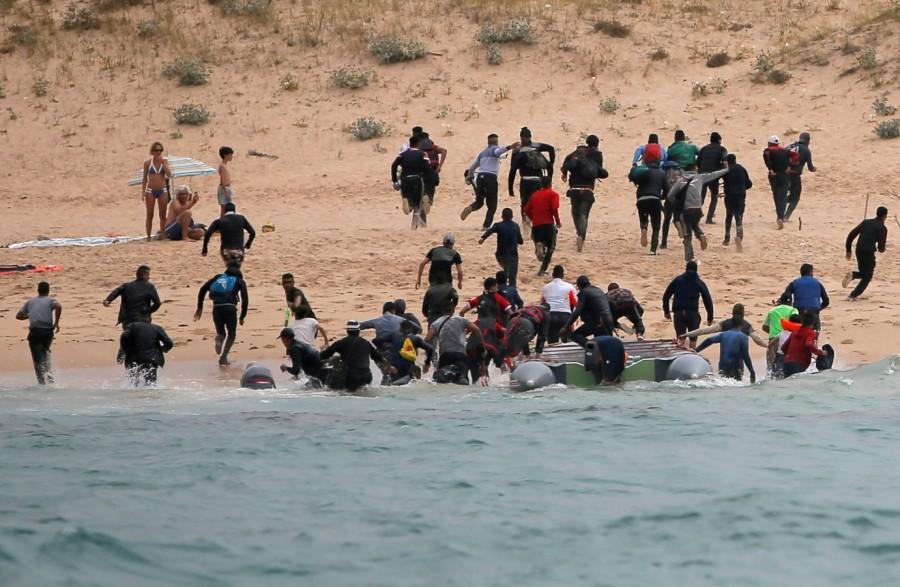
<point>17,269</point>
<point>84,241</point>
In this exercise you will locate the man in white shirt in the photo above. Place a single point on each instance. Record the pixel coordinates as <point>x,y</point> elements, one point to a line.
<point>306,328</point>
<point>561,296</point>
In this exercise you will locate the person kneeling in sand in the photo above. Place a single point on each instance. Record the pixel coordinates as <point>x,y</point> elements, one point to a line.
<point>180,220</point>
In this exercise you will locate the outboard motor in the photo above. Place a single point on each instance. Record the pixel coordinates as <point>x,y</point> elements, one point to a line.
<point>592,360</point>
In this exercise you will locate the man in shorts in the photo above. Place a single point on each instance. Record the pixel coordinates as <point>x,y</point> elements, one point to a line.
<point>180,220</point>
<point>225,192</point>
<point>231,229</point>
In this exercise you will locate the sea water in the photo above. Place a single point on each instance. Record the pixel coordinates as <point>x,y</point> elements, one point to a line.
<point>790,483</point>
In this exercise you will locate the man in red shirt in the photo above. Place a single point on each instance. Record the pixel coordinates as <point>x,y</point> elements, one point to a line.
<point>543,210</point>
<point>801,346</point>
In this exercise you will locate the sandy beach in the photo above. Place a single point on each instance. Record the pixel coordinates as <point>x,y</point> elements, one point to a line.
<point>338,225</point>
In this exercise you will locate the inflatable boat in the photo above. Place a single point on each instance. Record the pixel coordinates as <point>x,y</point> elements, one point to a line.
<point>570,364</point>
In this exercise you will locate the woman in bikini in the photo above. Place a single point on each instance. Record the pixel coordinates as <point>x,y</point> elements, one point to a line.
<point>155,187</point>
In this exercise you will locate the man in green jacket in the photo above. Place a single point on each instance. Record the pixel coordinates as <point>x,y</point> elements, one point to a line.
<point>683,152</point>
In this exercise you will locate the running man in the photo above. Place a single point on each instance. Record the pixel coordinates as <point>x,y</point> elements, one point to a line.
<point>528,162</point>
<point>711,158</point>
<point>142,349</point>
<point>482,176</point>
<point>734,349</point>
<point>651,184</point>
<point>442,260</point>
<point>583,167</point>
<point>736,183</point>
<point>561,297</point>
<point>493,312</point>
<point>437,299</point>
<point>355,352</point>
<point>436,158</point>
<point>231,227</point>
<point>224,291</point>
<point>683,152</point>
<point>139,298</point>
<point>795,173</point>
<point>509,291</point>
<point>651,152</point>
<point>872,235</point>
<point>180,220</point>
<point>778,162</point>
<point>593,309</point>
<point>155,187</point>
<point>808,295</point>
<point>687,289</point>
<point>42,313</point>
<point>509,237</point>
<point>450,333</point>
<point>543,211</point>
<point>294,297</point>
<point>414,175</point>
<point>687,197</point>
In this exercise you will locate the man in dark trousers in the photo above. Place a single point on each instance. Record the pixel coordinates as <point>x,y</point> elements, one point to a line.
<point>531,165</point>
<point>42,313</point>
<point>231,228</point>
<point>593,309</point>
<point>482,176</point>
<point>416,173</point>
<point>711,158</point>
<point>736,183</point>
<point>442,260</point>
<point>355,352</point>
<point>139,298</point>
<point>778,162</point>
<point>795,173</point>
<point>808,295</point>
<point>509,237</point>
<point>142,349</point>
<point>687,289</point>
<point>224,291</point>
<point>651,184</point>
<point>543,211</point>
<point>438,298</point>
<point>583,167</point>
<point>872,235</point>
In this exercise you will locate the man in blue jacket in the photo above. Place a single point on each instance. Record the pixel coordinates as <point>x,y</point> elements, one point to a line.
<point>808,295</point>
<point>687,289</point>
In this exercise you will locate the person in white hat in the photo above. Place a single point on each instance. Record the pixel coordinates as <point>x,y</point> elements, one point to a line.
<point>778,162</point>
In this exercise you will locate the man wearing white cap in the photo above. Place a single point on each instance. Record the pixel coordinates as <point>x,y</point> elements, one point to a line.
<point>442,260</point>
<point>778,162</point>
<point>355,352</point>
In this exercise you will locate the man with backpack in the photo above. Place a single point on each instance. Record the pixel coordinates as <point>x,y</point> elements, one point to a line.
<point>493,312</point>
<point>650,181</point>
<point>482,176</point>
<point>795,173</point>
<point>650,152</point>
<point>224,291</point>
<point>778,162</point>
<point>583,167</point>
<point>683,152</point>
<point>711,158</point>
<point>736,183</point>
<point>687,199</point>
<point>531,165</point>
<point>436,158</point>
<point>411,182</point>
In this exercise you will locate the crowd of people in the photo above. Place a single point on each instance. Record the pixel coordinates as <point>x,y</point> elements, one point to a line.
<point>672,185</point>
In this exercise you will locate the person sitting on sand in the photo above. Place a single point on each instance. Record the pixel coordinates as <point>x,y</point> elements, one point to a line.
<point>155,187</point>
<point>231,229</point>
<point>180,220</point>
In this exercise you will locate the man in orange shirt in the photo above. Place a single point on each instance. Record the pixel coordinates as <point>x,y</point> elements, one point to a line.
<point>543,211</point>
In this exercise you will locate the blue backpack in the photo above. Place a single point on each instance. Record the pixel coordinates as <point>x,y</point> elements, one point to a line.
<point>222,288</point>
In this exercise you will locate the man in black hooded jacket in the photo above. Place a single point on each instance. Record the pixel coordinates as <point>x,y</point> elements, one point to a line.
<point>712,158</point>
<point>583,167</point>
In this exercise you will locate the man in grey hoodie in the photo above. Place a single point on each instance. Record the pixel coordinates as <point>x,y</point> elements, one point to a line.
<point>686,195</point>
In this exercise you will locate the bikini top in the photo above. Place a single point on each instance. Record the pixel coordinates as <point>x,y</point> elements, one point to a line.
<point>153,170</point>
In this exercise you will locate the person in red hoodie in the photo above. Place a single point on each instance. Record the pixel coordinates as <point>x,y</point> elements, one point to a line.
<point>543,211</point>
<point>800,346</point>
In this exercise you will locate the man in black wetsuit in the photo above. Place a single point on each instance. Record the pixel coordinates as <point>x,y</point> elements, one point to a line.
<point>687,290</point>
<point>355,352</point>
<point>438,298</point>
<point>442,259</point>
<point>795,173</point>
<point>778,162</point>
<point>532,166</point>
<point>231,229</point>
<point>411,182</point>
<point>304,358</point>
<point>139,298</point>
<point>872,235</point>
<point>711,158</point>
<point>141,349</point>
<point>224,291</point>
<point>583,167</point>
<point>593,309</point>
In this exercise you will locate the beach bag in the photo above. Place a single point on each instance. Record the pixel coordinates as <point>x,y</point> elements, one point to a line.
<point>408,351</point>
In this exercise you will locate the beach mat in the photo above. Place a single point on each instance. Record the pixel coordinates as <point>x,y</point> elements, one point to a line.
<point>85,241</point>
<point>17,269</point>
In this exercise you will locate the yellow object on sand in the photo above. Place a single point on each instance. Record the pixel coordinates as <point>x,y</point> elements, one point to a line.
<point>268,227</point>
